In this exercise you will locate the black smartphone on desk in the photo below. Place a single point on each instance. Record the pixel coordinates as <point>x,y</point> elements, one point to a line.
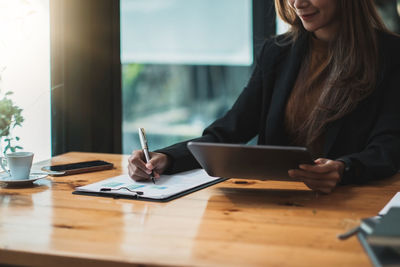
<point>78,167</point>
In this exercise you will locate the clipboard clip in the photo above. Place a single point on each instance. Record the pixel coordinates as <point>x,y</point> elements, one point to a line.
<point>109,189</point>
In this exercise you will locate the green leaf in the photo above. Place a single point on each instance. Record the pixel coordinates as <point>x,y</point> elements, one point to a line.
<point>7,148</point>
<point>10,117</point>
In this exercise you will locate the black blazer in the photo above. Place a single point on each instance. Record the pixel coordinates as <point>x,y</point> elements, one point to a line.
<point>367,139</point>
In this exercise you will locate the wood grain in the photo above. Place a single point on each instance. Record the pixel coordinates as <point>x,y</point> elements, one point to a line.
<point>234,223</point>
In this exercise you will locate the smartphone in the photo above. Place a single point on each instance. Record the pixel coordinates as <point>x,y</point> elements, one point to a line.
<point>78,167</point>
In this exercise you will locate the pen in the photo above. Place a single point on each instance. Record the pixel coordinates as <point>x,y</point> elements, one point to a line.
<point>143,142</point>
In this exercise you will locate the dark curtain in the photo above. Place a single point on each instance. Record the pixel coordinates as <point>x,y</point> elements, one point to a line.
<point>85,76</point>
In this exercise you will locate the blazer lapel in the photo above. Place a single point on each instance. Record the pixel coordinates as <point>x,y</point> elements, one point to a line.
<point>286,74</point>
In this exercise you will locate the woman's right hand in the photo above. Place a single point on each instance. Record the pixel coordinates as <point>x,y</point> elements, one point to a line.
<point>138,169</point>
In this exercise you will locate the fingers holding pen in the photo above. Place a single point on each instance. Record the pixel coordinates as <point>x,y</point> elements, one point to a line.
<point>144,162</point>
<point>151,169</point>
<point>137,160</point>
<point>137,174</point>
<point>158,163</point>
<point>137,169</point>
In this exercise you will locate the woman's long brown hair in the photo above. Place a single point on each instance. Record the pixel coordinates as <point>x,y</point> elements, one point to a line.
<point>352,63</point>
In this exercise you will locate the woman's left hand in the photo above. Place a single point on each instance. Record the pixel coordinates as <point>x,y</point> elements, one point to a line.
<point>322,177</point>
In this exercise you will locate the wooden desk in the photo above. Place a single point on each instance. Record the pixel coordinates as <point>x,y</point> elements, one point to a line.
<point>234,223</point>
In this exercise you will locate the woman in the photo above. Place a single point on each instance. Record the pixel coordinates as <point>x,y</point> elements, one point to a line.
<point>332,83</point>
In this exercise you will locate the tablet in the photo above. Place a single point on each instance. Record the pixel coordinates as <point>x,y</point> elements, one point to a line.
<point>251,162</point>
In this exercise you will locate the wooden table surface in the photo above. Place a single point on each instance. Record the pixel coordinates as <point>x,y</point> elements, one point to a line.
<point>234,223</point>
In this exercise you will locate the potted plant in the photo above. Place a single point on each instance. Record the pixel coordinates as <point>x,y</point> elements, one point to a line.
<point>10,117</point>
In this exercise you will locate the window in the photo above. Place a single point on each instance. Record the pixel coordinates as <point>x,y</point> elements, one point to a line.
<point>184,62</point>
<point>281,26</point>
<point>25,69</point>
<point>390,13</point>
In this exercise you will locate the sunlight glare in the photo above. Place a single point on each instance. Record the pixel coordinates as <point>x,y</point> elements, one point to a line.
<point>25,69</point>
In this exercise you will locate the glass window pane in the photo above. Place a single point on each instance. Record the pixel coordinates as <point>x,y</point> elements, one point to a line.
<point>175,90</point>
<point>186,31</point>
<point>390,13</point>
<point>281,26</point>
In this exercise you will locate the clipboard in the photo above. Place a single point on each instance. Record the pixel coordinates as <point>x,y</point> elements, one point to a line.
<point>167,188</point>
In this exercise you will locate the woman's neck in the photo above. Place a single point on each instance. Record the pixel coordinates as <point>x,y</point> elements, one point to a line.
<point>327,34</point>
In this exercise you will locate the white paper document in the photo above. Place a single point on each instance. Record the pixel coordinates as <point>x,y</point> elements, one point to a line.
<point>166,186</point>
<point>394,202</point>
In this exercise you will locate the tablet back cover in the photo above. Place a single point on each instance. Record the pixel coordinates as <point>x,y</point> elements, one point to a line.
<point>252,162</point>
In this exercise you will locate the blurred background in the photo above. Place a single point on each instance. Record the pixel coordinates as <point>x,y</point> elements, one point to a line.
<point>88,73</point>
<point>185,62</point>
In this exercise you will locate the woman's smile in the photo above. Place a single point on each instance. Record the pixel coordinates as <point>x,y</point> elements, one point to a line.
<point>317,16</point>
<point>308,16</point>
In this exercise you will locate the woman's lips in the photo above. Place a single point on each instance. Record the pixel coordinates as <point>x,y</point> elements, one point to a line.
<point>307,16</point>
